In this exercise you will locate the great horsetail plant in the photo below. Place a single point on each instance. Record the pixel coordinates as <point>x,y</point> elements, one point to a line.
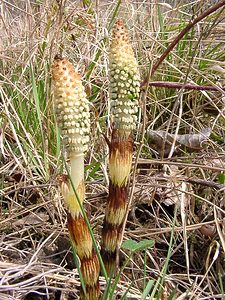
<point>72,111</point>
<point>124,93</point>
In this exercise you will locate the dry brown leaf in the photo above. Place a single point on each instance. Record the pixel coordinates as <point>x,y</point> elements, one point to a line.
<point>176,192</point>
<point>161,141</point>
<point>214,162</point>
<point>196,140</point>
<point>176,188</point>
<point>31,219</point>
<point>208,230</point>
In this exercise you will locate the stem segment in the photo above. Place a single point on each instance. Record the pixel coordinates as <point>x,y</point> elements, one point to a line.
<point>124,92</point>
<point>72,111</point>
<point>120,160</point>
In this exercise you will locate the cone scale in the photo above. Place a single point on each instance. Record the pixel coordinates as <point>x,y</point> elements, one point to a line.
<point>73,117</point>
<point>124,93</point>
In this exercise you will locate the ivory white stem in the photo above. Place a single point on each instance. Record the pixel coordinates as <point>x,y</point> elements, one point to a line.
<point>77,178</point>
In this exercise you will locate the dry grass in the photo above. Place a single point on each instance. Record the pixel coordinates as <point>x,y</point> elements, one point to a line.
<point>184,217</point>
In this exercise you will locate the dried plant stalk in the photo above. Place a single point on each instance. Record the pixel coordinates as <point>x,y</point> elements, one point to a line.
<point>72,110</point>
<point>124,92</point>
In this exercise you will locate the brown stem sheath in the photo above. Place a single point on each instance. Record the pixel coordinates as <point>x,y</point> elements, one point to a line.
<point>90,267</point>
<point>83,245</point>
<point>120,158</point>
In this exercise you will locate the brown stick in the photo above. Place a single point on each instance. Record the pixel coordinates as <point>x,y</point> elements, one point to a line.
<point>187,86</point>
<point>175,163</point>
<point>211,184</point>
<point>217,186</point>
<point>191,24</point>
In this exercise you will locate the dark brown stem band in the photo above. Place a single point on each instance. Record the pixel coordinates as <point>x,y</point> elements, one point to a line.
<point>120,157</point>
<point>90,267</point>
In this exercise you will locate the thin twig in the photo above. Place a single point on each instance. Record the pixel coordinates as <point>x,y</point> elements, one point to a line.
<point>187,86</point>
<point>212,184</point>
<point>191,24</point>
<point>149,232</point>
<point>182,164</point>
<point>217,186</point>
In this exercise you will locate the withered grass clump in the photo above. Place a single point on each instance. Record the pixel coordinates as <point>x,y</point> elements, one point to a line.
<point>124,92</point>
<point>184,96</point>
<point>72,110</point>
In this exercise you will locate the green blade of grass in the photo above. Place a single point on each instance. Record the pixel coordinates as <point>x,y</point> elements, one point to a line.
<point>39,117</point>
<point>147,289</point>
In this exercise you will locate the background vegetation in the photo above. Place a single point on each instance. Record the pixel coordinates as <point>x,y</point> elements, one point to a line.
<point>177,188</point>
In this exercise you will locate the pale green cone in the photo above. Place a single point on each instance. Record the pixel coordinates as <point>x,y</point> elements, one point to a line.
<point>124,79</point>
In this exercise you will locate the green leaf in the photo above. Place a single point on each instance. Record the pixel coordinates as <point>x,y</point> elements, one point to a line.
<point>142,245</point>
<point>221,178</point>
<point>137,246</point>
<point>95,167</point>
<point>147,289</point>
<point>129,245</point>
